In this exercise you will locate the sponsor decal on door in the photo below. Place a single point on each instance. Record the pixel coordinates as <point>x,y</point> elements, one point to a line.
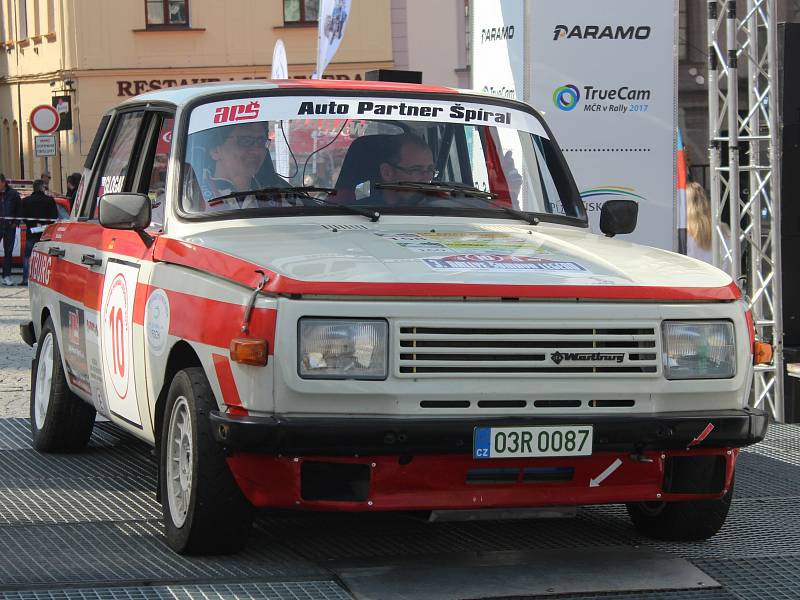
<point>116,339</point>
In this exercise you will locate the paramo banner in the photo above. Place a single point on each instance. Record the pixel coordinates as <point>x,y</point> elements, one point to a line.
<point>603,73</point>
<point>497,41</point>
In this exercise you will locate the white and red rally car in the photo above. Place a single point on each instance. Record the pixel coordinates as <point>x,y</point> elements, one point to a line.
<point>372,296</point>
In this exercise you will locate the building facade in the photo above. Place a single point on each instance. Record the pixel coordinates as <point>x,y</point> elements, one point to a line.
<point>432,37</point>
<point>97,53</point>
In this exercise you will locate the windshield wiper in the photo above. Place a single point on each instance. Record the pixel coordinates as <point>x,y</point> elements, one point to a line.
<point>462,189</point>
<point>304,191</point>
<point>372,215</point>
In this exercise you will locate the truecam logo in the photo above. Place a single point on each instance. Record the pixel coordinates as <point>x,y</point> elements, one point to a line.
<point>566,97</point>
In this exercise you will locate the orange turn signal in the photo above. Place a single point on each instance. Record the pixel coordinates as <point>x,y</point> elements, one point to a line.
<point>249,351</point>
<point>762,353</point>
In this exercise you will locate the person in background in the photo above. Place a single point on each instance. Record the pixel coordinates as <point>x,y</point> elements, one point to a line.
<point>36,206</point>
<point>700,227</point>
<point>46,179</point>
<point>9,206</point>
<point>73,181</point>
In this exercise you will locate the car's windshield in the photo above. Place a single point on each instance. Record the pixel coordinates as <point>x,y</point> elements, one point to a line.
<point>394,155</point>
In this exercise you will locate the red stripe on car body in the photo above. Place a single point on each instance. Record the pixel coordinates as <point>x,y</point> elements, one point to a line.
<point>195,318</point>
<point>243,271</point>
<point>94,235</point>
<point>227,383</point>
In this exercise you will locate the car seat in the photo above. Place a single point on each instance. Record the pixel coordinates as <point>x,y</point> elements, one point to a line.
<point>360,164</point>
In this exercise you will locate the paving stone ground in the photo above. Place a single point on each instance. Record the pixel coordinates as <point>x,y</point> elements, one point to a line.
<point>15,355</point>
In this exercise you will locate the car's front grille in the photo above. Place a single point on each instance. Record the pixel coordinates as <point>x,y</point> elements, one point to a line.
<point>429,351</point>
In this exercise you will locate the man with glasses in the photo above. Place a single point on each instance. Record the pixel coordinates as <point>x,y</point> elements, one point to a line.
<point>240,153</point>
<point>408,158</point>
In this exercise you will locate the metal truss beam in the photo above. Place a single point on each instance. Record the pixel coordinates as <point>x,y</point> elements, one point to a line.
<point>745,170</point>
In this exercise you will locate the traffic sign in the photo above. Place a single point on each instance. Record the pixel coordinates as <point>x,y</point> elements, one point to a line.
<point>44,119</point>
<point>44,145</point>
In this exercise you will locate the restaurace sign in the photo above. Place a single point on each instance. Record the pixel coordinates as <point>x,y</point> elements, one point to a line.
<point>134,87</point>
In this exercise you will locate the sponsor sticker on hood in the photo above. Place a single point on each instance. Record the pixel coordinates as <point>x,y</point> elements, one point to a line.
<point>483,251</point>
<point>504,263</point>
<point>466,241</point>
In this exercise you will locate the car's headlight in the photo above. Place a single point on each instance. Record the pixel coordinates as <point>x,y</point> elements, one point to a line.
<point>343,349</point>
<point>699,350</point>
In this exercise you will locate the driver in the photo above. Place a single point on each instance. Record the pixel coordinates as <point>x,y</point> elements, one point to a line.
<point>239,152</point>
<point>408,158</point>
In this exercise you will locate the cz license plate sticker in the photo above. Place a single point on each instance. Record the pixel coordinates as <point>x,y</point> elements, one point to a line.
<point>536,442</point>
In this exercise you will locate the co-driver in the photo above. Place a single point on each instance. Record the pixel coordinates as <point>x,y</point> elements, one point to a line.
<point>239,152</point>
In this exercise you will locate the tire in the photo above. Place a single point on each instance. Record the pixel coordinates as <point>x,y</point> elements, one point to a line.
<point>60,420</point>
<point>689,521</point>
<point>205,512</point>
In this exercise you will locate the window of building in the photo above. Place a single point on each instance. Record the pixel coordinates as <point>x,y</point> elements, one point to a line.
<point>51,16</point>
<point>36,19</point>
<point>167,13</point>
<point>22,34</point>
<point>8,31</point>
<point>300,12</point>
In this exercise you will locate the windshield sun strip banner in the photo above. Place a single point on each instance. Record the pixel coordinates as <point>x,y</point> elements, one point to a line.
<point>283,108</point>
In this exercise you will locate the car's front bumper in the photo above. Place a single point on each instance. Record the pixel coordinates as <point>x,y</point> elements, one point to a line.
<point>371,436</point>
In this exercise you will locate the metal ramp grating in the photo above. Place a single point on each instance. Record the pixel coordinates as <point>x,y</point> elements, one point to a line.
<point>103,463</point>
<point>764,477</point>
<point>672,595</point>
<point>323,537</point>
<point>75,500</point>
<point>755,527</point>
<point>778,450</point>
<point>88,525</point>
<point>100,553</point>
<point>766,578</point>
<point>300,590</point>
<point>15,434</point>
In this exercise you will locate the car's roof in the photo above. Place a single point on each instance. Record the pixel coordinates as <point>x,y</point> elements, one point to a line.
<point>184,94</point>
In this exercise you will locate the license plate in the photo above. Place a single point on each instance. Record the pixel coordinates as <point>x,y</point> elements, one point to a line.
<point>523,442</point>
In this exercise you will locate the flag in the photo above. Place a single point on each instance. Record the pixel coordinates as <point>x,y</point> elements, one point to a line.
<point>332,22</point>
<point>280,68</point>
<point>680,160</point>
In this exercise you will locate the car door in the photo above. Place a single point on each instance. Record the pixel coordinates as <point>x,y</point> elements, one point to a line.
<point>150,326</point>
<point>113,260</point>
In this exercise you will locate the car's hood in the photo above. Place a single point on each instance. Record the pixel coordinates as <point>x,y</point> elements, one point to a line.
<point>399,250</point>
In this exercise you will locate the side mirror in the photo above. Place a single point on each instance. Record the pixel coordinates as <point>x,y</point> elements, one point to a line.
<point>618,216</point>
<point>126,211</point>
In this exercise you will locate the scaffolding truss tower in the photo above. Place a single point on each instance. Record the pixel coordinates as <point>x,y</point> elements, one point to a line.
<point>745,166</point>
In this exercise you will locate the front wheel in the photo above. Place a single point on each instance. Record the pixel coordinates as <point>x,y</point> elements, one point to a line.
<point>204,509</point>
<point>688,521</point>
<point>60,420</point>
